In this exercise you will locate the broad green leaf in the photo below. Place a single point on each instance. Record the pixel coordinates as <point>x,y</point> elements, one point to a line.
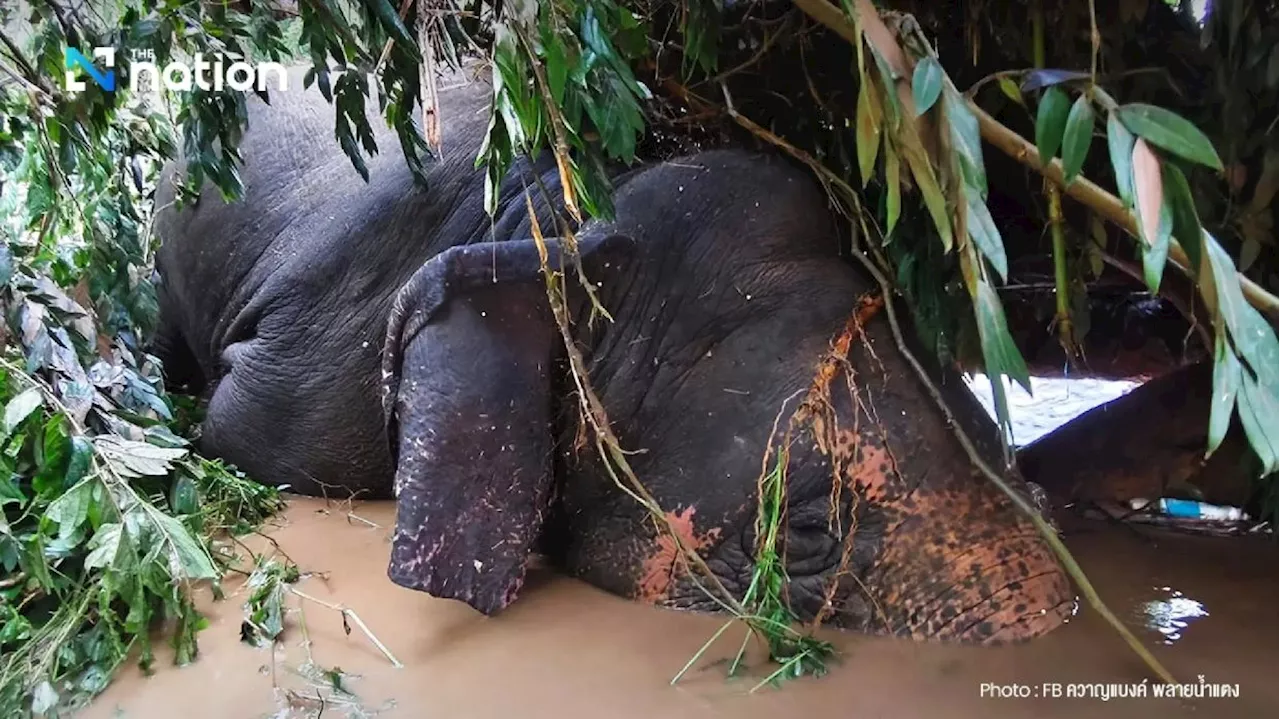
<point>982,228</point>
<point>1076,138</point>
<point>187,559</point>
<point>1182,211</point>
<point>868,128</point>
<point>1120,145</point>
<point>1051,122</point>
<point>926,84</point>
<point>21,407</point>
<point>10,493</point>
<point>105,548</point>
<point>71,508</point>
<point>135,459</point>
<point>1226,383</point>
<point>183,498</point>
<point>1169,131</point>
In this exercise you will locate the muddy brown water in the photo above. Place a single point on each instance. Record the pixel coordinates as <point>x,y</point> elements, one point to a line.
<point>1204,606</point>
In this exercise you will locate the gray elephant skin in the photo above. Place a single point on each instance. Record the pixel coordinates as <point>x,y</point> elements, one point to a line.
<point>302,307</point>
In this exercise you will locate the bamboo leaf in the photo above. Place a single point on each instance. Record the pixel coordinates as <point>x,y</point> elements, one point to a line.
<point>926,84</point>
<point>1000,355</point>
<point>1011,90</point>
<point>868,130</point>
<point>1148,187</point>
<point>893,187</point>
<point>1169,131</point>
<point>967,138</point>
<point>1226,383</point>
<point>1260,417</point>
<point>1077,137</point>
<point>1051,122</point>
<point>1182,211</point>
<point>982,228</point>
<point>1120,144</point>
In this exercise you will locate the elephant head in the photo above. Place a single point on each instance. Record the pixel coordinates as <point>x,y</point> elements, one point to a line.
<point>885,526</point>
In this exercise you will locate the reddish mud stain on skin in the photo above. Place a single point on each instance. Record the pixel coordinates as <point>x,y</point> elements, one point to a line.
<point>659,568</point>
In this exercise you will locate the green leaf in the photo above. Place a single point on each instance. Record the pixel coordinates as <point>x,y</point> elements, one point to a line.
<point>1051,121</point>
<point>70,510</point>
<point>982,228</point>
<point>926,84</point>
<point>187,559</point>
<point>109,547</point>
<point>21,407</point>
<point>1010,89</point>
<point>1155,255</point>
<point>1171,132</point>
<point>1077,137</point>
<point>1260,417</point>
<point>390,19</point>
<point>10,493</point>
<point>135,459</point>
<point>893,187</point>
<point>1120,145</point>
<point>967,138</point>
<point>868,131</point>
<point>1000,356</point>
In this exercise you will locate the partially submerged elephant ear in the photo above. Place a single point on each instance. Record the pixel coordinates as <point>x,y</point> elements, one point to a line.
<point>467,396</point>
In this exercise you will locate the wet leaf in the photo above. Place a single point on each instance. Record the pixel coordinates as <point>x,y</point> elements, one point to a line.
<point>1260,417</point>
<point>108,548</point>
<point>1182,212</point>
<point>869,124</point>
<point>967,138</point>
<point>21,407</point>
<point>1051,122</point>
<point>926,84</point>
<point>982,229</point>
<point>1077,137</point>
<point>135,459</point>
<point>187,559</point>
<point>893,188</point>
<point>1000,355</point>
<point>70,510</point>
<point>1169,131</point>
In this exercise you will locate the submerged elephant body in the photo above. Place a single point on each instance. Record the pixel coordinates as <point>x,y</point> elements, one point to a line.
<point>389,338</point>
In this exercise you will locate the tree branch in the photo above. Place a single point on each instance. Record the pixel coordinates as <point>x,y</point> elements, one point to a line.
<point>1011,143</point>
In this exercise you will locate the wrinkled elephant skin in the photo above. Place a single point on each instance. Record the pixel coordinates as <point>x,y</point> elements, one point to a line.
<point>387,338</point>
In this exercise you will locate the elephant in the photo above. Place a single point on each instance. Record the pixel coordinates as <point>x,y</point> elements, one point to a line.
<point>394,339</point>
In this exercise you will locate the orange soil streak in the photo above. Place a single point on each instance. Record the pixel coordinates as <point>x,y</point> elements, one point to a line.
<point>660,567</point>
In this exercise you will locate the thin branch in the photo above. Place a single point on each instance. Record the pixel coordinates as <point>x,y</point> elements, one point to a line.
<point>1014,145</point>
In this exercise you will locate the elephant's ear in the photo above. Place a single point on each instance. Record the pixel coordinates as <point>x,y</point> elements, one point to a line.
<point>467,391</point>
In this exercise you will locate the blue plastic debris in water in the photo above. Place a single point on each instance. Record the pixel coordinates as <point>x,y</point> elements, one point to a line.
<point>1190,509</point>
